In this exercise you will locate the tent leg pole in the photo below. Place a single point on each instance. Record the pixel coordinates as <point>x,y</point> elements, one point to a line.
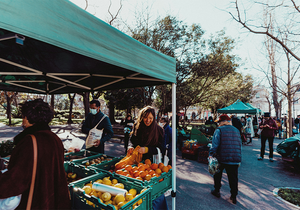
<point>173,146</point>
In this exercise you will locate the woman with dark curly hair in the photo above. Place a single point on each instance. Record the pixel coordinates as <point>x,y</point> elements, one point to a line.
<point>147,133</point>
<point>50,187</point>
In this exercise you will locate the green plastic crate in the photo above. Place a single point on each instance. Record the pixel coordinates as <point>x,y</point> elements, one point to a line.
<point>103,163</point>
<point>79,198</point>
<point>157,188</point>
<point>81,171</point>
<point>106,165</point>
<point>81,154</point>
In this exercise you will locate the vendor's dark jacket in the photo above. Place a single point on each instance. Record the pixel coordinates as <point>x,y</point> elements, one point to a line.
<point>268,131</point>
<point>50,189</point>
<point>167,141</point>
<point>92,120</point>
<point>226,145</point>
<point>141,138</point>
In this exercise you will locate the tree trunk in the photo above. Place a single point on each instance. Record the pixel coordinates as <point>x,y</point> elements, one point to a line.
<point>71,98</point>
<point>111,107</point>
<point>86,104</point>
<point>52,101</point>
<point>8,108</point>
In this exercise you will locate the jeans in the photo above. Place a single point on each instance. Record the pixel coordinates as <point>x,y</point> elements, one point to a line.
<point>263,146</point>
<point>232,174</point>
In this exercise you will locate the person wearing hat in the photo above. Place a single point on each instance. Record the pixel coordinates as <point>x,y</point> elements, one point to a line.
<point>268,126</point>
<point>226,147</point>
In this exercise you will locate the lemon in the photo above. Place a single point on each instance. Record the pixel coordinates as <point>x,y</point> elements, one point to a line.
<point>89,184</point>
<point>106,178</point>
<point>99,181</point>
<point>119,185</point>
<point>90,203</point>
<point>128,197</point>
<point>116,207</point>
<point>132,192</point>
<point>99,194</point>
<point>143,190</point>
<point>108,202</point>
<point>114,181</point>
<point>87,189</point>
<point>140,202</point>
<point>121,204</point>
<point>106,196</point>
<point>106,181</point>
<point>119,198</point>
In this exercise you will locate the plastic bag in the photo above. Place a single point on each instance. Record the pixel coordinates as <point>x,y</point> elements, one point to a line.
<point>213,165</point>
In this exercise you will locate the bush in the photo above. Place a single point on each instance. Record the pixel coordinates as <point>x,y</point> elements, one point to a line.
<point>6,148</point>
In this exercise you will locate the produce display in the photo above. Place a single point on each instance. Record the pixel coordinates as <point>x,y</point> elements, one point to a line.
<point>107,198</point>
<point>72,177</point>
<point>97,160</point>
<point>69,156</point>
<point>143,171</point>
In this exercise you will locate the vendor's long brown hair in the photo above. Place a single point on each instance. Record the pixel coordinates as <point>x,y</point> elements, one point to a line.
<point>154,128</point>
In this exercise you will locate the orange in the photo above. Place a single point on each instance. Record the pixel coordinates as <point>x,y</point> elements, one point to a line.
<point>146,166</point>
<point>151,172</point>
<point>169,166</point>
<point>165,169</point>
<point>154,175</point>
<point>140,164</point>
<point>136,173</point>
<point>125,172</point>
<point>158,171</point>
<point>120,172</point>
<point>148,177</point>
<point>148,162</point>
<point>128,175</point>
<point>161,180</point>
<point>134,168</point>
<point>128,168</point>
<point>139,178</point>
<point>142,174</point>
<point>160,165</point>
<point>141,168</point>
<point>154,166</point>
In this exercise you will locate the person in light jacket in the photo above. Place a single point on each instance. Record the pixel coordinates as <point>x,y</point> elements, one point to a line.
<point>249,128</point>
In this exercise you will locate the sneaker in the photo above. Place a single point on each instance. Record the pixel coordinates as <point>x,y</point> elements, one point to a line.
<point>216,193</point>
<point>260,158</point>
<point>271,160</point>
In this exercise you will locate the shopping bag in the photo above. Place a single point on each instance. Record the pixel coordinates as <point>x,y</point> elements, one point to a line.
<point>94,135</point>
<point>166,158</point>
<point>259,131</point>
<point>10,203</point>
<point>157,158</point>
<point>213,165</point>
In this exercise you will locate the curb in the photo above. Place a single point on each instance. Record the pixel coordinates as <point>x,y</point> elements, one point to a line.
<point>275,193</point>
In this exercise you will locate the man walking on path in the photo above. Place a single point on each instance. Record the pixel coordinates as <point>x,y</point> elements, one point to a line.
<point>92,119</point>
<point>226,146</point>
<point>268,126</point>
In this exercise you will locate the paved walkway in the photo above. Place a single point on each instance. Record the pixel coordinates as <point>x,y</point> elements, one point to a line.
<point>257,179</point>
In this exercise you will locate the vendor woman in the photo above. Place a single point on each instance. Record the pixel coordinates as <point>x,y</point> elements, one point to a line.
<point>147,134</point>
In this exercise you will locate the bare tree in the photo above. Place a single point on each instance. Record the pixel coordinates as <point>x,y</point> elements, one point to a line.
<point>290,14</point>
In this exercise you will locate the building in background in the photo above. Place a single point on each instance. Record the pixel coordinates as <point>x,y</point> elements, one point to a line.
<point>260,99</point>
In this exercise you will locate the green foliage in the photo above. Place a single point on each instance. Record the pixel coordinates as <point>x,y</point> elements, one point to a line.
<point>290,195</point>
<point>6,148</point>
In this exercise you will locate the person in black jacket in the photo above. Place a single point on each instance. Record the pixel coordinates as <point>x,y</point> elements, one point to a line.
<point>92,120</point>
<point>147,134</point>
<point>236,123</point>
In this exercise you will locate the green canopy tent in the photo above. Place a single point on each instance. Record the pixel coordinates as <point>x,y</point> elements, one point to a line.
<point>54,47</point>
<point>258,111</point>
<point>238,107</point>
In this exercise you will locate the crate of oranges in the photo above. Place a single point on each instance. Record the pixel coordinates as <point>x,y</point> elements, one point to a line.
<point>156,176</point>
<point>109,191</point>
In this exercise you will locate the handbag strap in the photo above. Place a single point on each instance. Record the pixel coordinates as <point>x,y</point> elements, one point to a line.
<point>100,121</point>
<point>33,172</point>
